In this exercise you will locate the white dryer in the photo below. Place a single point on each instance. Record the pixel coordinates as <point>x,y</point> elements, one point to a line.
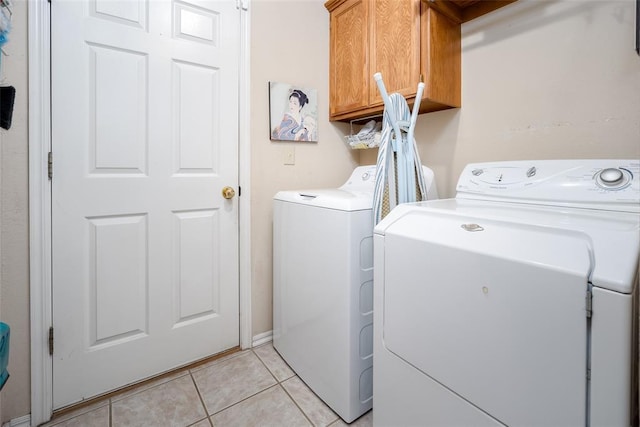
<point>323,288</point>
<point>514,303</point>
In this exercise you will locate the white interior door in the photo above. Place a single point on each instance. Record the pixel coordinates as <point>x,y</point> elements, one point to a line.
<point>144,138</point>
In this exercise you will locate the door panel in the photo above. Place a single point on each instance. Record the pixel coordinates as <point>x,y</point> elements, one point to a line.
<point>194,271</point>
<point>144,137</point>
<point>118,278</point>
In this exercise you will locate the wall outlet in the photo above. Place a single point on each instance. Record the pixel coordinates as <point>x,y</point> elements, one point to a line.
<point>289,155</point>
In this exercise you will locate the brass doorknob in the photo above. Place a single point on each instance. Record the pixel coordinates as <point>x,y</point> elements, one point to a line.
<point>228,192</point>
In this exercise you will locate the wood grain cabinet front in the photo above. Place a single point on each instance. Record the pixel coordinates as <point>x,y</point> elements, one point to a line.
<point>408,41</point>
<point>405,40</point>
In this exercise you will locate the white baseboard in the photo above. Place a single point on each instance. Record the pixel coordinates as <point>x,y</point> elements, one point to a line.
<point>262,338</point>
<point>24,421</point>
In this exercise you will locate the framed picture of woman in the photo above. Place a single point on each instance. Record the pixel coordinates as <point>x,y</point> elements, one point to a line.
<point>293,113</point>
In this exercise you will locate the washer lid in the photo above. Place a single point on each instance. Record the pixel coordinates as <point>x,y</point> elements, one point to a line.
<point>335,198</point>
<point>613,237</point>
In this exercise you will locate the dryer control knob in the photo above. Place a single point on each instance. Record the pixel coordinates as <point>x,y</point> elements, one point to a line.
<point>610,177</point>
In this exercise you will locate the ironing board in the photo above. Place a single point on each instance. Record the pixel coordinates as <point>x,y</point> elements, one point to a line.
<point>399,176</point>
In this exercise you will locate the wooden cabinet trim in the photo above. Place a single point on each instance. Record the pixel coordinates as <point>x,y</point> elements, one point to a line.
<point>461,11</point>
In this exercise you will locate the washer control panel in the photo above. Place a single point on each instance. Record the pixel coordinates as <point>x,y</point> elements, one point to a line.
<point>362,178</point>
<point>602,184</point>
<point>614,178</point>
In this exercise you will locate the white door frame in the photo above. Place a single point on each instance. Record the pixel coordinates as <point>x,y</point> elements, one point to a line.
<point>39,31</point>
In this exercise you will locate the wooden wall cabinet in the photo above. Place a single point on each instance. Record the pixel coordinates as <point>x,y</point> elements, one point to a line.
<point>408,41</point>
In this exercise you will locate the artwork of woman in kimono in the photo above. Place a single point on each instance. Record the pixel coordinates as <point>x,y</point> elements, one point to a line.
<point>296,124</point>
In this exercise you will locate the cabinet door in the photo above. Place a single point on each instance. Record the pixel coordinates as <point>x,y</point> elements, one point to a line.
<point>440,60</point>
<point>395,47</point>
<point>349,57</point>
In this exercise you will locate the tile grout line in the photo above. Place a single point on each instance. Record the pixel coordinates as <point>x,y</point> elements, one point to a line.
<point>206,411</point>
<point>284,388</point>
<point>296,403</point>
<point>269,370</point>
<point>241,400</point>
<point>246,398</point>
<point>265,365</point>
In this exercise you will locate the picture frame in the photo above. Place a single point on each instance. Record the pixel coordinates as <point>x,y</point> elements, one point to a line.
<point>293,113</point>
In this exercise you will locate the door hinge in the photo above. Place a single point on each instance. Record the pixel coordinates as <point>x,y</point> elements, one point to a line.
<point>242,4</point>
<point>50,165</point>
<point>51,340</point>
<point>589,303</point>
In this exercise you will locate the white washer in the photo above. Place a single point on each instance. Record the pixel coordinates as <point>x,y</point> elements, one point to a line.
<point>323,288</point>
<point>514,303</point>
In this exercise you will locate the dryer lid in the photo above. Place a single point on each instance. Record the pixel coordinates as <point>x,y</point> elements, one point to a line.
<point>470,301</point>
<point>613,237</point>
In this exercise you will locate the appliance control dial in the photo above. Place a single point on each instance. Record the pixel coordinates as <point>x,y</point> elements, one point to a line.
<point>612,178</point>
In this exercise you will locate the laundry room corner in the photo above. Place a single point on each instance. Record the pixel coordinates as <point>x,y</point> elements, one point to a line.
<point>540,82</point>
<point>289,44</point>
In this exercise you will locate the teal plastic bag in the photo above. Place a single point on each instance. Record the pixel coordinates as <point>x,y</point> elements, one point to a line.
<point>4,353</point>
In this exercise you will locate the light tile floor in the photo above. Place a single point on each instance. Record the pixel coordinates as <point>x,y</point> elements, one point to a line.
<point>248,388</point>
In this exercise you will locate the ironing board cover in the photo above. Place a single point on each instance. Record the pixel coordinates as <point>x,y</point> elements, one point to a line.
<point>399,176</point>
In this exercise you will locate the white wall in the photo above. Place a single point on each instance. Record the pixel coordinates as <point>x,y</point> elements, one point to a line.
<point>289,44</point>
<point>14,238</point>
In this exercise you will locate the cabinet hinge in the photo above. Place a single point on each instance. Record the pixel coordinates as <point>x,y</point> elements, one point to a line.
<point>239,191</point>
<point>50,165</point>
<point>589,303</point>
<point>588,374</point>
<point>51,340</point>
